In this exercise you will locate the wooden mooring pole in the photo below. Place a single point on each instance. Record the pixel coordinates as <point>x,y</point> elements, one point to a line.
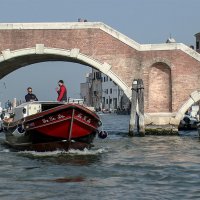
<point>136,126</point>
<point>141,107</point>
<point>133,117</point>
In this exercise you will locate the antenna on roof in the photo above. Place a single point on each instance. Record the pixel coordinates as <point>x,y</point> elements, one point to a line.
<point>170,39</point>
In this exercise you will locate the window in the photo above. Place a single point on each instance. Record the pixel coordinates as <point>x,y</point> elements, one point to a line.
<point>106,101</point>
<point>197,45</point>
<point>98,75</point>
<point>110,90</point>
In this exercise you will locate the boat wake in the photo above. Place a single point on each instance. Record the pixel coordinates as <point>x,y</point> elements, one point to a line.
<point>88,152</point>
<point>60,153</point>
<point>5,150</point>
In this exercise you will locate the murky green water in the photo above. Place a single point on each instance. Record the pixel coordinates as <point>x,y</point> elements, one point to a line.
<point>119,167</point>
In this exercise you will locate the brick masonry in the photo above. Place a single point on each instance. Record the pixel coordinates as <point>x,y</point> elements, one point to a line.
<point>169,75</point>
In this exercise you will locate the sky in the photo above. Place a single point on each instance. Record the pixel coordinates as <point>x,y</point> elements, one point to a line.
<point>145,21</point>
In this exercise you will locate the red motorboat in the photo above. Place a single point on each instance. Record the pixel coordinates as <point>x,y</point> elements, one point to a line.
<point>47,126</point>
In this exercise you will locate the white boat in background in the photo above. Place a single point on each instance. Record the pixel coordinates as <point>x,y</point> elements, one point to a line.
<point>188,123</point>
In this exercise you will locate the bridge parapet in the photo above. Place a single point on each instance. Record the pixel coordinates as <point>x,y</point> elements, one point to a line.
<point>109,30</point>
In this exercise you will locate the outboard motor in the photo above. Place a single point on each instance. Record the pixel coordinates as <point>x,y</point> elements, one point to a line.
<point>102,134</point>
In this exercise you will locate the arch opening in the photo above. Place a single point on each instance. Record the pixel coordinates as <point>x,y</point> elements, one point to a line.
<point>160,88</point>
<point>13,60</point>
<point>13,64</point>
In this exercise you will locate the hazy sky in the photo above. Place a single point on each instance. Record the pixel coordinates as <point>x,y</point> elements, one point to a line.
<point>145,21</point>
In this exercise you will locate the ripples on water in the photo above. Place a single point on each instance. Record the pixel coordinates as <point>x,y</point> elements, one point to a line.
<point>119,167</point>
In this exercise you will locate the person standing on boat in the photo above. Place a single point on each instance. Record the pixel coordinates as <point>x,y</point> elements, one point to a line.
<point>30,96</point>
<point>62,91</point>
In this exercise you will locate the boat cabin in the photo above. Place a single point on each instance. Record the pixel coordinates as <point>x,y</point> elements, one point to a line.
<point>31,108</point>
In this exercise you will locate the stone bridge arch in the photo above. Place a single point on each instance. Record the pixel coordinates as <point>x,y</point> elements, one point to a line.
<point>193,98</point>
<point>97,45</point>
<point>13,60</point>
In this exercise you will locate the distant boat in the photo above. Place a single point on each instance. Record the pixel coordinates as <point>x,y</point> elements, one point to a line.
<point>188,123</point>
<point>47,126</point>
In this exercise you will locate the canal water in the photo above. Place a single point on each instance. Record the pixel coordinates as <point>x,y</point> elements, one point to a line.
<point>119,167</point>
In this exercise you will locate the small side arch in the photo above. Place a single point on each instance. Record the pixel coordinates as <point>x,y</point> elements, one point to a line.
<point>159,88</point>
<point>44,54</point>
<point>194,97</point>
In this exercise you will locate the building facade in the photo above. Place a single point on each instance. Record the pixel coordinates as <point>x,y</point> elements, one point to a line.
<point>91,90</point>
<point>96,94</point>
<point>86,90</point>
<point>102,93</point>
<point>110,94</point>
<point>113,98</point>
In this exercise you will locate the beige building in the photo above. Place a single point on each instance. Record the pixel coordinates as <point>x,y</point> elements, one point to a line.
<point>86,90</point>
<point>91,90</point>
<point>113,97</point>
<point>96,89</point>
<point>102,93</point>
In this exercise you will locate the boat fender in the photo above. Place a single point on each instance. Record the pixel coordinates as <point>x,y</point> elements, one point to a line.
<point>20,128</point>
<point>24,110</point>
<point>102,134</point>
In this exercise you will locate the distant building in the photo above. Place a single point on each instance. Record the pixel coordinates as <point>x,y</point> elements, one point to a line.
<point>111,94</point>
<point>86,90</point>
<point>102,93</point>
<point>91,91</point>
<point>113,97</point>
<point>197,35</point>
<point>96,89</point>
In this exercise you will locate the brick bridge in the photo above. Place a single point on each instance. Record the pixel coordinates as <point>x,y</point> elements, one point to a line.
<point>170,71</point>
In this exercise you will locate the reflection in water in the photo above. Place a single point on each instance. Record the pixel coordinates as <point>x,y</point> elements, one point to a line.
<point>69,180</point>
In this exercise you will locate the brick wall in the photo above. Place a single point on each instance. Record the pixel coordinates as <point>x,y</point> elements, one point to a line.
<point>170,76</point>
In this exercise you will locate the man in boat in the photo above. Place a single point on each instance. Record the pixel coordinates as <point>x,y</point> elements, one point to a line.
<point>62,91</point>
<point>30,96</point>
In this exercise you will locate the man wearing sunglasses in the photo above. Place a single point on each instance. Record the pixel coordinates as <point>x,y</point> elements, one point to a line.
<point>30,96</point>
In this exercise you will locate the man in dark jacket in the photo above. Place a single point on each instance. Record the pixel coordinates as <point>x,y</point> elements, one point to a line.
<point>62,91</point>
<point>30,96</point>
